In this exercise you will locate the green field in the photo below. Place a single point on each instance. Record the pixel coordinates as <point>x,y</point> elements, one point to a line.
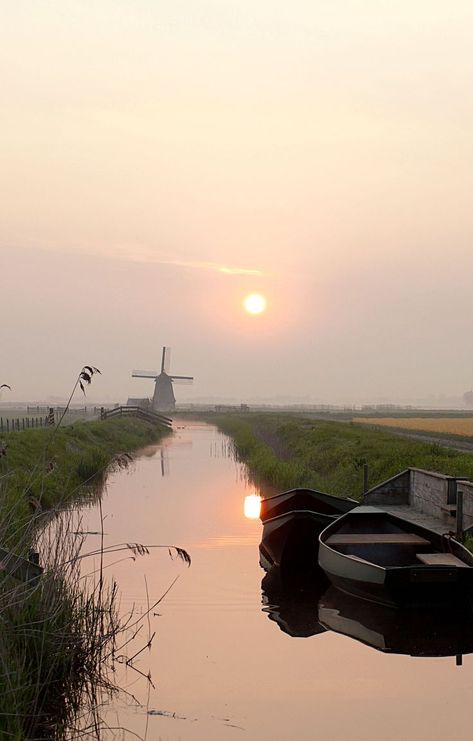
<point>293,450</point>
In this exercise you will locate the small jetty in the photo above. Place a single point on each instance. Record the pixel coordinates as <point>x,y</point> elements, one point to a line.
<point>433,500</point>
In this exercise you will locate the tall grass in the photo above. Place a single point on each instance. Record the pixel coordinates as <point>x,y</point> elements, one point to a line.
<point>58,634</point>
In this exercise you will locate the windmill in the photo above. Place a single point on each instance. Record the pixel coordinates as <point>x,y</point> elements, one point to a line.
<point>163,397</point>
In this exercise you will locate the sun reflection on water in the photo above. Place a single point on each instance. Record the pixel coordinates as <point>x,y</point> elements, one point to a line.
<point>252,506</point>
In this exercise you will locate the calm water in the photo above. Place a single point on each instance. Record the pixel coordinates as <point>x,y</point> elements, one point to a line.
<point>222,665</point>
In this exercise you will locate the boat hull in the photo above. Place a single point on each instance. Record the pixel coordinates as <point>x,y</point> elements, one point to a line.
<point>290,540</point>
<point>407,587</point>
<point>292,522</point>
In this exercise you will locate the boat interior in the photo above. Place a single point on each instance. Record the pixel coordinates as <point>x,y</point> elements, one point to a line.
<point>388,541</point>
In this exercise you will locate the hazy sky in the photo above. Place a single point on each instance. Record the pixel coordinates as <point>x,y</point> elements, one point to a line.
<point>319,151</point>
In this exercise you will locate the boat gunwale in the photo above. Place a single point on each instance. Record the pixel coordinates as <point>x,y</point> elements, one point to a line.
<point>302,489</point>
<point>293,512</point>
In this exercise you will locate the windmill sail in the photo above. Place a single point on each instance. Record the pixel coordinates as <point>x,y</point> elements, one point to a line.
<point>182,379</point>
<point>166,360</point>
<point>144,374</point>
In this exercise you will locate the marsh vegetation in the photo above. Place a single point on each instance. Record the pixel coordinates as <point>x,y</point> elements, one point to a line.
<point>59,631</point>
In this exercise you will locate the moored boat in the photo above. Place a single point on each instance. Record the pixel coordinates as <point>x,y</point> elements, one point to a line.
<point>383,558</point>
<point>292,522</point>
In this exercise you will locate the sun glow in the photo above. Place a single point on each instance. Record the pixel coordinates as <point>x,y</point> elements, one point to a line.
<point>254,303</point>
<point>252,506</point>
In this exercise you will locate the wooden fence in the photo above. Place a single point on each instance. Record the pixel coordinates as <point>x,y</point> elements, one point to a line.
<point>10,424</point>
<point>129,411</point>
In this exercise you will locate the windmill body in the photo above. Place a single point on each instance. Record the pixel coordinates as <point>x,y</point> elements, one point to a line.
<point>163,397</point>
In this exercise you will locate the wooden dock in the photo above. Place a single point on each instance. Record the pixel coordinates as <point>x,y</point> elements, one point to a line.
<point>433,500</point>
<point>436,524</point>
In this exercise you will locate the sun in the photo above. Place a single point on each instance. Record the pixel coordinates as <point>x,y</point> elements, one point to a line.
<point>254,303</point>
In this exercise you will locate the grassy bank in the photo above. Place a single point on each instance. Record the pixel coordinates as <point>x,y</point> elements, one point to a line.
<point>44,468</point>
<point>289,451</point>
<point>56,633</point>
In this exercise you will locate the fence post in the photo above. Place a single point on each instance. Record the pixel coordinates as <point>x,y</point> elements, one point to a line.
<point>8,425</point>
<point>459,522</point>
<point>365,478</point>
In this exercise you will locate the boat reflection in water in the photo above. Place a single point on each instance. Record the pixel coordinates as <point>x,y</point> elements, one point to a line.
<point>420,631</point>
<point>293,604</point>
<point>303,610</point>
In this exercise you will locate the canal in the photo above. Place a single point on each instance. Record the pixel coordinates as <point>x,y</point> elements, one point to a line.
<point>229,660</point>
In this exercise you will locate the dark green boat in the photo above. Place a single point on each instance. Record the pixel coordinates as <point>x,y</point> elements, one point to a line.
<point>292,522</point>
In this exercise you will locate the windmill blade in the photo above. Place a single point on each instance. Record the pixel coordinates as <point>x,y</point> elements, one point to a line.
<point>144,374</point>
<point>166,360</point>
<point>182,379</point>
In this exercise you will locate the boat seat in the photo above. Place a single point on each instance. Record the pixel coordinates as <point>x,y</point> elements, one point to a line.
<point>376,539</point>
<point>440,559</point>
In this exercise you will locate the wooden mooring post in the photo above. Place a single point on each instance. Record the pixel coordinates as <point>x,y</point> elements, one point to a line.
<point>459,517</point>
